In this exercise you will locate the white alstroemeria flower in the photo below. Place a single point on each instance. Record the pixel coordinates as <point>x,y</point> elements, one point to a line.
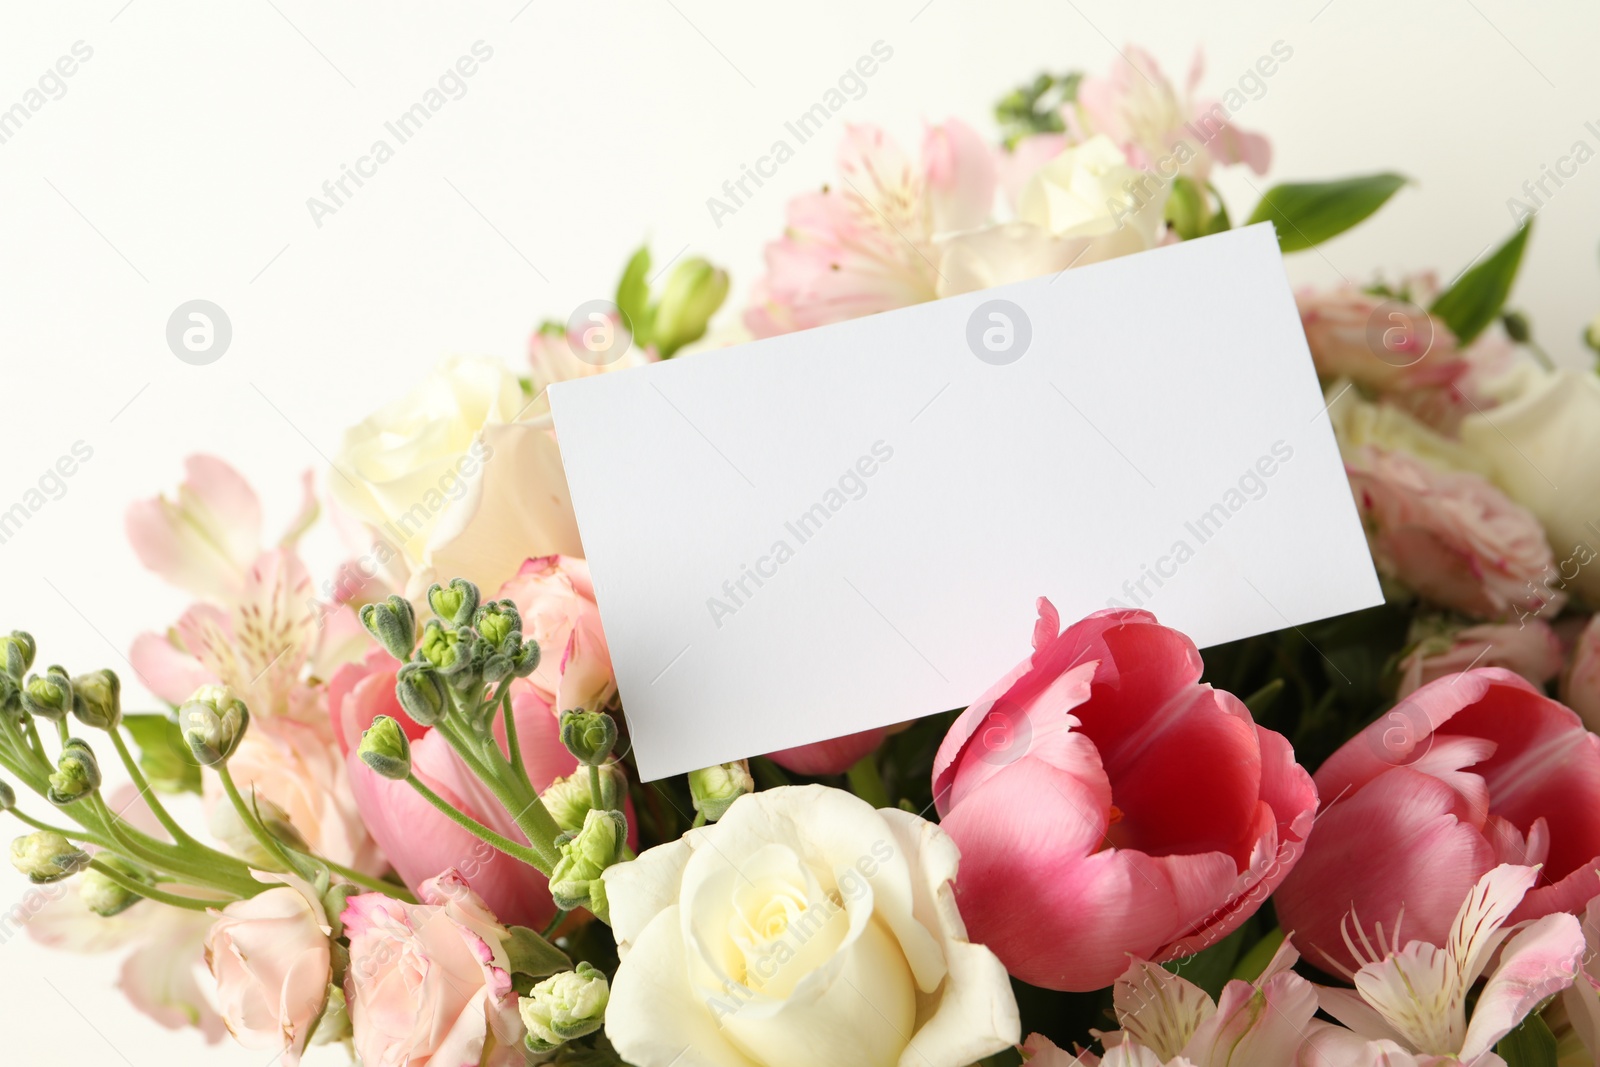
<point>1168,1021</point>
<point>1409,1004</point>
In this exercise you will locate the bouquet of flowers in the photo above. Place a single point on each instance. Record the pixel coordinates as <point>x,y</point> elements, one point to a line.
<point>423,836</point>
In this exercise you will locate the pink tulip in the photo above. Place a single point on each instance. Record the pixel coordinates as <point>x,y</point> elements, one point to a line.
<point>1470,771</point>
<point>1107,804</point>
<point>419,840</point>
<point>833,756</point>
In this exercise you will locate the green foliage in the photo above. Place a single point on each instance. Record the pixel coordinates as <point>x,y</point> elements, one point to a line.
<point>1476,298</point>
<point>164,757</point>
<point>1309,213</point>
<point>1035,106</point>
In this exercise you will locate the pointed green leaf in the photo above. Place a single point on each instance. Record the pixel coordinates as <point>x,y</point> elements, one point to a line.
<point>1529,1045</point>
<point>532,955</point>
<point>164,756</point>
<point>1478,295</point>
<point>1308,213</point>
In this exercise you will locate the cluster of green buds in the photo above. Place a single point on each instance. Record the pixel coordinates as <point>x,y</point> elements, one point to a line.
<point>577,880</point>
<point>714,789</point>
<point>213,722</point>
<point>569,800</point>
<point>77,773</point>
<point>564,1006</point>
<point>468,644</point>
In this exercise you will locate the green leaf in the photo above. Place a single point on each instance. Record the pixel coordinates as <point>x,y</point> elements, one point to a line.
<point>1308,213</point>
<point>164,756</point>
<point>1211,967</point>
<point>1478,295</point>
<point>1254,962</point>
<point>633,295</point>
<point>1186,208</point>
<point>532,955</point>
<point>1529,1045</point>
<point>1262,698</point>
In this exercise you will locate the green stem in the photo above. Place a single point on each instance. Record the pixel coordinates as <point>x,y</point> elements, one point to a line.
<point>480,831</point>
<point>273,846</point>
<point>596,797</point>
<point>393,889</point>
<point>513,747</point>
<point>551,929</point>
<point>79,835</point>
<point>515,794</point>
<point>179,834</point>
<point>208,868</point>
<point>152,893</point>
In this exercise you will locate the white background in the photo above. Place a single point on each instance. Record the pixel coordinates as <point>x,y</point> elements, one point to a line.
<point>178,164</point>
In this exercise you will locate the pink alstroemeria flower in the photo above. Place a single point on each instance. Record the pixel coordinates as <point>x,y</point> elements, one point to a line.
<point>1409,1005</point>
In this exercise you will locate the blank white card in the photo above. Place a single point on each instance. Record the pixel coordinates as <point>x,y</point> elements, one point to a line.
<point>848,527</point>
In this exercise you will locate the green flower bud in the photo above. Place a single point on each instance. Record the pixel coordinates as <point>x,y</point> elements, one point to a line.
<point>455,603</point>
<point>568,799</point>
<point>46,856</point>
<point>77,773</point>
<point>526,661</point>
<point>1591,334</point>
<point>714,789</point>
<point>394,624</point>
<point>564,1006</point>
<point>8,797</point>
<point>421,692</point>
<point>213,721</point>
<point>588,735</point>
<point>497,622</point>
<point>693,293</point>
<point>449,651</point>
<point>10,694</point>
<point>104,896</point>
<point>585,856</point>
<point>386,749</point>
<point>16,653</point>
<point>97,699</point>
<point>48,695</point>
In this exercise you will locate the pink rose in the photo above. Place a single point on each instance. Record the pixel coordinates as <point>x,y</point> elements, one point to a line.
<point>270,956</point>
<point>1471,771</point>
<point>1107,804</point>
<point>1580,684</point>
<point>418,839</point>
<point>555,597</point>
<point>1451,536</point>
<point>1530,648</point>
<point>430,983</point>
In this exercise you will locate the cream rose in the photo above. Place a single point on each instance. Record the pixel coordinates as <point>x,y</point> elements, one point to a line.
<point>451,483</point>
<point>1085,193</point>
<point>1540,449</point>
<point>802,928</point>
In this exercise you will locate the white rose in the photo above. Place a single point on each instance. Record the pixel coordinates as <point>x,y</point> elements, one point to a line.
<point>1358,422</point>
<point>1090,192</point>
<point>452,484</point>
<point>803,928</point>
<point>1540,449</point>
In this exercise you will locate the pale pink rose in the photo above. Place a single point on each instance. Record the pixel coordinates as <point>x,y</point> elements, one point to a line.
<point>1451,537</point>
<point>430,983</point>
<point>1580,683</point>
<point>1107,804</point>
<point>868,243</point>
<point>555,596</point>
<point>1159,127</point>
<point>1530,648</point>
<point>419,840</point>
<point>270,956</point>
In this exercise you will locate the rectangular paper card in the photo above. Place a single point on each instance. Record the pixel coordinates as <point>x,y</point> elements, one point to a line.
<point>848,527</point>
